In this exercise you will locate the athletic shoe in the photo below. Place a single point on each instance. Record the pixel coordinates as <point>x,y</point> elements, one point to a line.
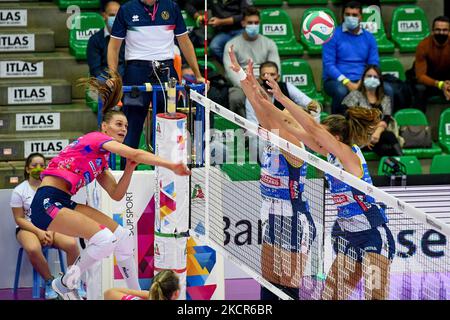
<point>50,294</point>
<point>64,292</point>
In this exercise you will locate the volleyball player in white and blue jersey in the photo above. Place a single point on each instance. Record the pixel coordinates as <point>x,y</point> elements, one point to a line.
<point>361,231</point>
<point>289,229</point>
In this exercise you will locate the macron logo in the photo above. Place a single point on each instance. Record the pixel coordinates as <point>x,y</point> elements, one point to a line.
<point>135,18</point>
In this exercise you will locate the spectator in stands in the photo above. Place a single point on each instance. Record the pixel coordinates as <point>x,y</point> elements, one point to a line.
<point>165,286</point>
<point>149,55</point>
<point>384,140</point>
<point>31,238</point>
<point>432,64</point>
<point>249,45</point>
<point>97,48</point>
<point>270,68</point>
<point>346,55</point>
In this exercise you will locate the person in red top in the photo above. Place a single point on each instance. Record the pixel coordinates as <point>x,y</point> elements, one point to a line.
<point>432,65</point>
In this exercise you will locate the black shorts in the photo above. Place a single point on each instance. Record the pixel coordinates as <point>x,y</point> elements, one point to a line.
<point>46,204</point>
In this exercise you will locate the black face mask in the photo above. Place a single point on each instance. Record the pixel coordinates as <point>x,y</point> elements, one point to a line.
<point>265,85</point>
<point>441,38</point>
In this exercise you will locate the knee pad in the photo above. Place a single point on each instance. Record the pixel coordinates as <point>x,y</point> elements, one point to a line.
<point>101,244</point>
<point>124,248</point>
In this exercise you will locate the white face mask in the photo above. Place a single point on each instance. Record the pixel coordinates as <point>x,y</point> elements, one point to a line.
<point>252,30</point>
<point>371,82</point>
<point>351,22</point>
<point>110,21</point>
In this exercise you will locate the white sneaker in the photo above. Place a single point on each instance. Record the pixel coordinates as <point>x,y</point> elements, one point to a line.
<point>64,291</point>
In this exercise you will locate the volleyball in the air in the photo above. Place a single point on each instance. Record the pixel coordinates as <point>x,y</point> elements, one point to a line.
<point>318,27</point>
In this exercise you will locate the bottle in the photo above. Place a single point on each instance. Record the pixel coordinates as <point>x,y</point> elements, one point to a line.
<point>171,95</point>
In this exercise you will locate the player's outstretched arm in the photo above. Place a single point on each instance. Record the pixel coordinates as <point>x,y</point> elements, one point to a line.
<point>141,156</point>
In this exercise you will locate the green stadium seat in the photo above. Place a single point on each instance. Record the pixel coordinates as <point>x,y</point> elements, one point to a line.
<point>91,102</point>
<point>370,156</point>
<point>298,72</point>
<point>223,124</point>
<point>409,27</point>
<point>310,47</point>
<point>373,22</point>
<point>392,66</point>
<point>440,164</point>
<point>277,25</point>
<point>84,26</point>
<point>242,172</point>
<point>415,117</point>
<point>82,4</point>
<point>444,130</point>
<point>267,2</point>
<point>412,164</point>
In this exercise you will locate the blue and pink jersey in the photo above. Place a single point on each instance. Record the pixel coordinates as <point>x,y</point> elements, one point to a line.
<point>81,161</point>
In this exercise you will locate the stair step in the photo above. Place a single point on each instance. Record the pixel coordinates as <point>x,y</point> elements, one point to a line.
<point>26,40</point>
<point>35,91</point>
<point>47,118</point>
<point>22,144</point>
<point>57,65</point>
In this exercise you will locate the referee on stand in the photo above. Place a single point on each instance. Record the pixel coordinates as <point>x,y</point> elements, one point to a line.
<point>149,28</point>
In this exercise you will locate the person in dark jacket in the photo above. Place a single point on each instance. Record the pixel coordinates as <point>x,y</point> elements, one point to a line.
<point>98,44</point>
<point>225,19</point>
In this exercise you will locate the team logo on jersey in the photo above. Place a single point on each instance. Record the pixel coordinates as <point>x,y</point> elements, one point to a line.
<point>340,198</point>
<point>165,15</point>
<point>270,180</point>
<point>135,18</point>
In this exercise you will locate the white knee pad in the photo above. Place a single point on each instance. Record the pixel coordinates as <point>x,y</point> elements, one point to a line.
<point>124,248</point>
<point>101,244</point>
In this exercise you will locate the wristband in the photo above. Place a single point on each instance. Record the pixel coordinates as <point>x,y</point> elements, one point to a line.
<point>440,85</point>
<point>345,81</point>
<point>242,75</point>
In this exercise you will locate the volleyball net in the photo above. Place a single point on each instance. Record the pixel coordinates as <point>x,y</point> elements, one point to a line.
<point>300,254</point>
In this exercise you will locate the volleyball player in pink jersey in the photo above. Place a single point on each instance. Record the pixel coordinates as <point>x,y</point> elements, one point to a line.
<point>81,162</point>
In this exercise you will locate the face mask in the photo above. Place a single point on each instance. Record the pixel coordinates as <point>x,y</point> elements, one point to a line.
<point>36,173</point>
<point>252,30</point>
<point>441,38</point>
<point>111,21</point>
<point>351,22</point>
<point>371,83</point>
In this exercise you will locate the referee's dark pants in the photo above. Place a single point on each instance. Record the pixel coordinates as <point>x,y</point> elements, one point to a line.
<point>138,72</point>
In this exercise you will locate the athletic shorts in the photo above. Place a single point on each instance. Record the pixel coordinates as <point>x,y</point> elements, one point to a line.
<point>46,204</point>
<point>355,244</point>
<point>292,231</point>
